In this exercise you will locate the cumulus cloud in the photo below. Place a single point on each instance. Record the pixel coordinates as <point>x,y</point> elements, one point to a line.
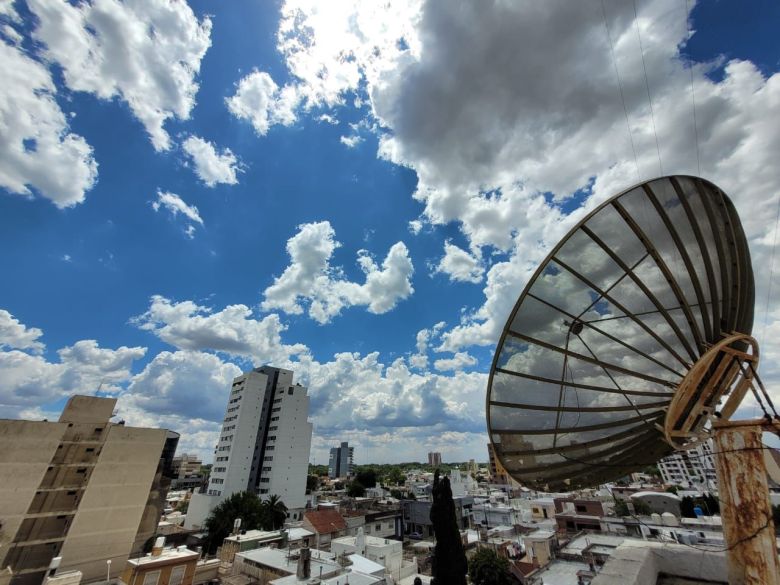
<point>211,166</point>
<point>16,335</point>
<point>458,361</point>
<point>310,278</point>
<point>460,265</point>
<point>189,326</point>
<point>351,141</point>
<point>166,385</point>
<point>38,153</point>
<point>260,101</point>
<point>502,157</point>
<point>146,53</point>
<point>28,380</point>
<point>176,205</point>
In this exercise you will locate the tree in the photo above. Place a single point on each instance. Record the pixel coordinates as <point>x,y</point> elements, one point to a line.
<point>183,506</point>
<point>686,507</point>
<point>640,508</point>
<point>395,476</point>
<point>712,505</point>
<point>776,518</point>
<point>487,568</point>
<point>244,505</point>
<point>673,489</point>
<point>355,489</point>
<point>449,565</point>
<point>276,511</point>
<point>366,477</point>
<point>312,483</point>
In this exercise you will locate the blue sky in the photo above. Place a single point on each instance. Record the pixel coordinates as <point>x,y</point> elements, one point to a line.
<point>357,191</point>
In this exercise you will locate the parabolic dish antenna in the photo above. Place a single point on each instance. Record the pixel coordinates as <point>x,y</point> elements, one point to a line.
<point>611,328</point>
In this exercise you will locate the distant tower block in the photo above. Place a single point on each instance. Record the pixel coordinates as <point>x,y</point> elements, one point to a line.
<point>434,459</point>
<point>340,463</point>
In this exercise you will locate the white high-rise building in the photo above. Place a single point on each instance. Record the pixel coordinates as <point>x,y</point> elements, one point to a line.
<point>264,444</point>
<point>694,468</point>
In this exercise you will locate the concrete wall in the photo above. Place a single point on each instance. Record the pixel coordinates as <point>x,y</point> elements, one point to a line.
<point>27,450</point>
<point>111,508</point>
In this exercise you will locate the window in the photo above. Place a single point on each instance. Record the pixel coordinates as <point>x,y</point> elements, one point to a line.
<point>268,458</point>
<point>264,491</point>
<point>277,409</point>
<point>377,527</point>
<point>90,449</point>
<point>81,470</point>
<point>151,578</point>
<point>272,437</point>
<point>580,508</point>
<point>264,480</point>
<point>98,429</point>
<point>269,448</point>
<point>277,401</point>
<point>177,575</point>
<point>272,419</point>
<point>290,391</point>
<point>273,428</point>
<point>266,469</point>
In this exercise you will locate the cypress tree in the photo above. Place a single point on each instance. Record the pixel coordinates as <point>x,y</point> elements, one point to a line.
<point>449,564</point>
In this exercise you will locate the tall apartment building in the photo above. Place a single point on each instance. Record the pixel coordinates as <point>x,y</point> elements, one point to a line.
<point>83,488</point>
<point>434,459</point>
<point>263,446</point>
<point>340,463</point>
<point>691,468</point>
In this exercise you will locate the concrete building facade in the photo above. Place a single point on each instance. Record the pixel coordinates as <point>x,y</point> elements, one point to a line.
<point>693,468</point>
<point>434,459</point>
<point>340,462</point>
<point>263,446</point>
<point>83,488</point>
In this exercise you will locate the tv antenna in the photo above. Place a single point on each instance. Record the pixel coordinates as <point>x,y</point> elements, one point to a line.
<point>632,340</point>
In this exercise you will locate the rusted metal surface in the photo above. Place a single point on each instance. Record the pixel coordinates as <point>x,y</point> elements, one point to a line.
<point>722,372</point>
<point>744,503</point>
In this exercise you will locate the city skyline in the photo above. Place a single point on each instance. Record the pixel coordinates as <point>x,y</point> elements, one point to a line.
<point>165,228</point>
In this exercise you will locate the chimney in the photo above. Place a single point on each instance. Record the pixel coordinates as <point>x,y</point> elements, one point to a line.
<point>304,564</point>
<point>360,542</point>
<point>159,544</point>
<point>237,526</point>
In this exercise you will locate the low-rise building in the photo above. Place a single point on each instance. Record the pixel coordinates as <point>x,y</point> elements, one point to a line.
<point>325,524</point>
<point>417,515</point>
<point>388,553</point>
<point>164,566</point>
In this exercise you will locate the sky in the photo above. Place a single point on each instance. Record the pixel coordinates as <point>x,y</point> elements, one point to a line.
<point>357,191</point>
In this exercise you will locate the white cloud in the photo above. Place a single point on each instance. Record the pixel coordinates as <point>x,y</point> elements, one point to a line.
<point>499,154</point>
<point>7,9</point>
<point>16,335</point>
<point>458,361</point>
<point>211,166</point>
<point>176,205</point>
<point>38,152</point>
<point>260,101</point>
<point>167,382</point>
<point>460,265</point>
<point>351,141</point>
<point>146,52</point>
<point>189,326</point>
<point>310,277</point>
<point>415,226</point>
<point>28,381</point>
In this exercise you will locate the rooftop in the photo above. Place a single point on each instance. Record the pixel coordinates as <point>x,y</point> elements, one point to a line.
<point>561,572</point>
<point>325,521</point>
<point>167,555</point>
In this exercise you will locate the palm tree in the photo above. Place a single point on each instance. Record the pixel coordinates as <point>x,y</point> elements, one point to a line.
<point>277,511</point>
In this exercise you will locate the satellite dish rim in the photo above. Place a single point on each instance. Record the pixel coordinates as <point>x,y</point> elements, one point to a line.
<point>539,269</point>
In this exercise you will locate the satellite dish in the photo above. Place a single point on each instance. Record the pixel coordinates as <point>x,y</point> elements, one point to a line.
<point>644,309</point>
